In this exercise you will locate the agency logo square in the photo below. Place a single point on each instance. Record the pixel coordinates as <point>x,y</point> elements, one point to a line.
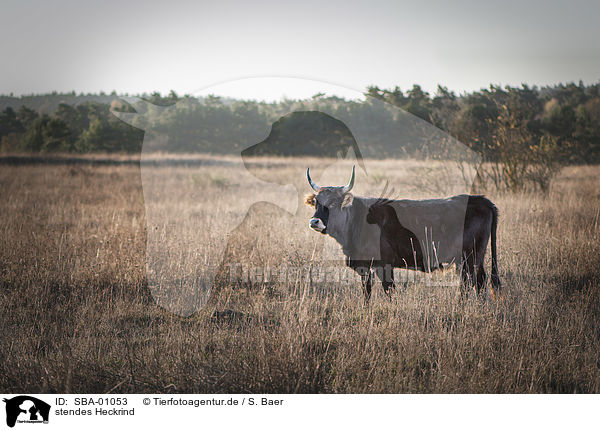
<point>26,409</point>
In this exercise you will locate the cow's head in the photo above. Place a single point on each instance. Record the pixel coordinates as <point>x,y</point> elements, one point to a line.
<point>328,203</point>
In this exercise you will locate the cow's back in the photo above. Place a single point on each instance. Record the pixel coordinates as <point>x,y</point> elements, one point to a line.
<point>437,223</point>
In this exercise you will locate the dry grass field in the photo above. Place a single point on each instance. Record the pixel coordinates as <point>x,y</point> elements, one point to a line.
<point>79,316</point>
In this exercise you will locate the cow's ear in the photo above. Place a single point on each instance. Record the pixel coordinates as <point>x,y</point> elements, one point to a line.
<point>310,200</point>
<point>347,200</point>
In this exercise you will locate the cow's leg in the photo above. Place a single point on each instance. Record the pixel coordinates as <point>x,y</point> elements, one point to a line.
<point>480,248</point>
<point>366,277</point>
<point>464,279</point>
<point>385,274</point>
<point>467,273</point>
<point>480,279</point>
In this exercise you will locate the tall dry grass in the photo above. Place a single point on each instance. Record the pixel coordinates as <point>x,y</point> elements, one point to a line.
<point>79,317</point>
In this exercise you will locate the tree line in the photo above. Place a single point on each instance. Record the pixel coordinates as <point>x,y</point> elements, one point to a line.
<point>559,124</point>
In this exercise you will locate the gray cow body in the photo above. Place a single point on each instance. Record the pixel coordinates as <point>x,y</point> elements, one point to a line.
<point>454,230</point>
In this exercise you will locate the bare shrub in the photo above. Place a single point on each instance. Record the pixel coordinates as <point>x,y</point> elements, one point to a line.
<point>517,159</point>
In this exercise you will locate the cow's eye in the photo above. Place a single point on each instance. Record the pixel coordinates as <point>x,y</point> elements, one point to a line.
<point>321,207</point>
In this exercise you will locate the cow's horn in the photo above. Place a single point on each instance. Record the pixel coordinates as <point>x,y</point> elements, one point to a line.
<point>312,184</point>
<point>348,187</point>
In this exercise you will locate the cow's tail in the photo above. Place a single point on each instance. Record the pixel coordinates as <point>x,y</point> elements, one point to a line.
<point>496,285</point>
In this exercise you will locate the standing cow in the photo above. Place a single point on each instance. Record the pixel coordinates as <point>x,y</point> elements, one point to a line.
<point>377,237</point>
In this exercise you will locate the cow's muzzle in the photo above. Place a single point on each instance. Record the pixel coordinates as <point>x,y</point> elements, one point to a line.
<point>317,225</point>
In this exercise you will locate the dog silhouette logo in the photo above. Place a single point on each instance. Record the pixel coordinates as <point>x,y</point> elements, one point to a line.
<point>26,409</point>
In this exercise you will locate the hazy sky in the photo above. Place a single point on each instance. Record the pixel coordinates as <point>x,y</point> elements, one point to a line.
<point>186,46</point>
